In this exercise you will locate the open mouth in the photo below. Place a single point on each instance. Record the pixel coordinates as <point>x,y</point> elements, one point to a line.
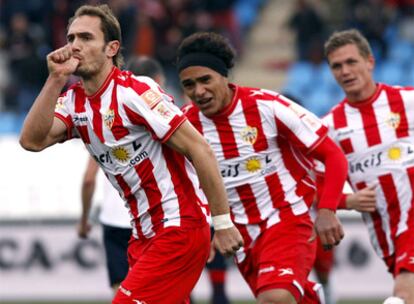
<point>349,81</point>
<point>204,102</point>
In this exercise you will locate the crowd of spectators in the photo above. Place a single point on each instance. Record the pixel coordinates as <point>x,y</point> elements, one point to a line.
<point>387,24</point>
<point>30,29</point>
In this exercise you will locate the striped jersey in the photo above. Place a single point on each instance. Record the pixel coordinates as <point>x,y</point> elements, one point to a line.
<point>377,137</point>
<point>124,126</point>
<point>260,141</point>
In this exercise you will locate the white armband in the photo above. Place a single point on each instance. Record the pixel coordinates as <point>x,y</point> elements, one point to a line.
<point>222,221</point>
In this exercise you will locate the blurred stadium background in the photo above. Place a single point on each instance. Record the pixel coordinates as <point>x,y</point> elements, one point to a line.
<point>280,46</point>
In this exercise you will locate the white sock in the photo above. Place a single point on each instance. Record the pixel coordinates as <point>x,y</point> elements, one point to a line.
<point>393,300</point>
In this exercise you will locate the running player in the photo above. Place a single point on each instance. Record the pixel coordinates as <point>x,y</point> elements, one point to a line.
<point>374,127</point>
<point>264,144</point>
<point>143,143</point>
<point>113,215</point>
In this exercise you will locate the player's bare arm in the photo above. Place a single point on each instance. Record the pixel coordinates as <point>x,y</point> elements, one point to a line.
<point>88,188</point>
<point>41,129</point>
<point>189,142</point>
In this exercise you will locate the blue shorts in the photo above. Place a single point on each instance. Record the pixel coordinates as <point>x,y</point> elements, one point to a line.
<point>116,245</point>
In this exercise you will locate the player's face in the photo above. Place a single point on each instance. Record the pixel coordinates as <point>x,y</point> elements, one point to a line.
<point>208,89</point>
<point>353,72</point>
<point>88,45</point>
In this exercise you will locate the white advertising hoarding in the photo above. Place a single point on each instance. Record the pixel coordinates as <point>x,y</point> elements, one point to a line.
<point>48,261</point>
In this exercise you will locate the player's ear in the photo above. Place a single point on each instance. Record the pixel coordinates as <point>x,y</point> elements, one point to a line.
<point>371,62</point>
<point>112,48</point>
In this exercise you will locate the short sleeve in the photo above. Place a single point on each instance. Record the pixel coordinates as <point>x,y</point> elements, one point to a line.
<point>298,125</point>
<point>62,112</point>
<point>147,105</point>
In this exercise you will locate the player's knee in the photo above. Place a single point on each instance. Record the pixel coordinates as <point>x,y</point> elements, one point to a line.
<point>404,286</point>
<point>276,296</point>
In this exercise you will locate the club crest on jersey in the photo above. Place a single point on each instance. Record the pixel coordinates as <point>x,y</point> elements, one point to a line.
<point>59,104</point>
<point>249,135</point>
<point>109,118</point>
<point>151,98</point>
<point>121,154</point>
<point>394,153</point>
<point>253,165</point>
<point>394,120</point>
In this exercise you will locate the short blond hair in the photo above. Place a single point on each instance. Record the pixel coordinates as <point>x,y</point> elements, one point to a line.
<point>342,38</point>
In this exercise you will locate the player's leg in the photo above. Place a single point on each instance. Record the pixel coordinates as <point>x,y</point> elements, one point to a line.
<point>404,286</point>
<point>404,265</point>
<point>217,274</point>
<point>166,268</point>
<point>116,246</point>
<point>282,259</point>
<point>323,265</point>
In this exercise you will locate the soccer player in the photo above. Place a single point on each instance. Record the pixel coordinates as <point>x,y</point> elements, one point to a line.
<point>373,126</point>
<point>264,144</point>
<point>114,215</point>
<point>144,144</point>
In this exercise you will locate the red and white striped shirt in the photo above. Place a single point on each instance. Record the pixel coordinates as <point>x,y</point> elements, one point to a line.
<point>260,141</point>
<point>377,137</point>
<point>124,126</point>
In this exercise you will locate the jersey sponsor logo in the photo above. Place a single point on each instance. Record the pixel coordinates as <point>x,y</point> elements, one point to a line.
<point>375,160</point>
<point>266,269</point>
<point>372,161</point>
<point>411,260</point>
<point>394,153</point>
<point>121,154</point>
<point>151,98</point>
<point>139,302</point>
<point>230,171</point>
<point>268,168</point>
<point>249,135</point>
<point>285,271</point>
<point>138,158</point>
<point>253,165</point>
<point>103,158</point>
<point>109,118</point>
<point>394,120</point>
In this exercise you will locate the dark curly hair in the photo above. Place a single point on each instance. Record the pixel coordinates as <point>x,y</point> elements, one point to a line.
<point>208,42</point>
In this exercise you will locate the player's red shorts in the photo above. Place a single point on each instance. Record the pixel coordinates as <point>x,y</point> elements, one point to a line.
<point>281,258</point>
<point>165,268</point>
<point>403,257</point>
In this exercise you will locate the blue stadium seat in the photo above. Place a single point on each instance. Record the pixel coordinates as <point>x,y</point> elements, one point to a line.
<point>319,101</point>
<point>246,12</point>
<point>401,52</point>
<point>8,123</point>
<point>299,78</point>
<point>390,72</point>
<point>326,75</point>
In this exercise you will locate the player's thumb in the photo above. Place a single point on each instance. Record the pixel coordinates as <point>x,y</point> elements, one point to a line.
<point>212,254</point>
<point>313,236</point>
